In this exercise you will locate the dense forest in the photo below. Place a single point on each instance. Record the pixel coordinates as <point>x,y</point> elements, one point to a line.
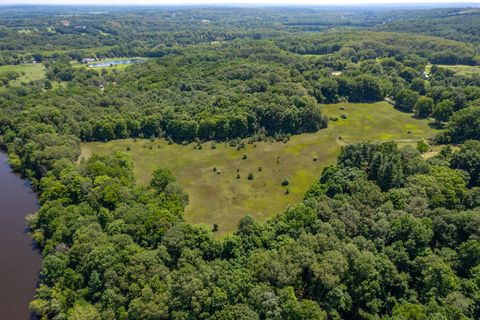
<point>385,233</point>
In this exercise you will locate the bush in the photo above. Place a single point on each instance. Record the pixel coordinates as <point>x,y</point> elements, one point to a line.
<point>285,181</point>
<point>250,176</point>
<point>422,146</point>
<point>244,157</point>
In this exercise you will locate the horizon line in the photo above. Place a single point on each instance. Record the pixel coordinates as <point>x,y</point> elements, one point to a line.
<point>119,3</point>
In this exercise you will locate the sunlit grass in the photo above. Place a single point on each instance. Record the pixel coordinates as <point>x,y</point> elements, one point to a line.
<point>224,199</point>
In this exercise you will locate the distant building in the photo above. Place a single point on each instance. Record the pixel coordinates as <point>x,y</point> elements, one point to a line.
<point>88,60</point>
<point>425,75</point>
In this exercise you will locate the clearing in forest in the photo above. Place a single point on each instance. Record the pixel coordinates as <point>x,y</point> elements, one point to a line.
<point>220,197</point>
<point>458,68</point>
<point>27,72</point>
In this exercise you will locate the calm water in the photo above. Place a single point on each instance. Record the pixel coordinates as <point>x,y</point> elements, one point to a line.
<point>115,62</point>
<point>19,261</point>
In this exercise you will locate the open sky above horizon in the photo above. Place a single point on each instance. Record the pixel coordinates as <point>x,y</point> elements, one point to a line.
<point>235,2</point>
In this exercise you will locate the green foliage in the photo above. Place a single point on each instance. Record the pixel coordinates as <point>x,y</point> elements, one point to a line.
<point>383,234</point>
<point>468,159</point>
<point>422,146</point>
<point>423,107</point>
<point>161,178</point>
<point>443,110</point>
<point>464,124</point>
<point>406,100</point>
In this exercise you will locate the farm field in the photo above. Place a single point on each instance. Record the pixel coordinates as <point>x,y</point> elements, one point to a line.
<point>224,199</point>
<point>28,72</point>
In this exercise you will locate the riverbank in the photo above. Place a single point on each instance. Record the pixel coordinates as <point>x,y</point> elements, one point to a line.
<point>19,261</point>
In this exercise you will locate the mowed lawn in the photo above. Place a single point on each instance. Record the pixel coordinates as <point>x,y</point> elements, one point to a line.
<point>28,71</point>
<point>224,199</point>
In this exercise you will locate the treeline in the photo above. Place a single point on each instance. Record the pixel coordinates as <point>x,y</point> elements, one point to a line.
<point>455,24</point>
<point>78,31</point>
<point>383,234</point>
<point>221,92</point>
<point>360,45</point>
<point>450,99</point>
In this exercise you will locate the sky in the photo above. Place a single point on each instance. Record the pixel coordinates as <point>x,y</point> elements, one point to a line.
<point>218,2</point>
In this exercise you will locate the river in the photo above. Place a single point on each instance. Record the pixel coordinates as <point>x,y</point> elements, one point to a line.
<point>19,260</point>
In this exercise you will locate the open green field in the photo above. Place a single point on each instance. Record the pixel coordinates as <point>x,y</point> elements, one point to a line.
<point>28,71</point>
<point>461,68</point>
<point>224,199</point>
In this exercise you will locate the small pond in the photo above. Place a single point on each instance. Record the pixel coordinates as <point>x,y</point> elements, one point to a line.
<point>104,64</point>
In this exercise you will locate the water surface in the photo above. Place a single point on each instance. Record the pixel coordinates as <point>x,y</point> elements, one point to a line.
<point>19,260</point>
<point>114,63</point>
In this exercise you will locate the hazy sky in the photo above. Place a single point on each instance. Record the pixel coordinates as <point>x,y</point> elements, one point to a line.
<point>255,2</point>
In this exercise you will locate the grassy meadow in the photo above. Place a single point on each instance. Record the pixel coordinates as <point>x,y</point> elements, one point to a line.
<point>223,199</point>
<point>462,69</point>
<point>459,68</point>
<point>28,71</point>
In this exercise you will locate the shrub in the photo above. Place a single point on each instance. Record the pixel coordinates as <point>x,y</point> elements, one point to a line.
<point>422,146</point>
<point>285,181</point>
<point>244,157</point>
<point>250,176</point>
